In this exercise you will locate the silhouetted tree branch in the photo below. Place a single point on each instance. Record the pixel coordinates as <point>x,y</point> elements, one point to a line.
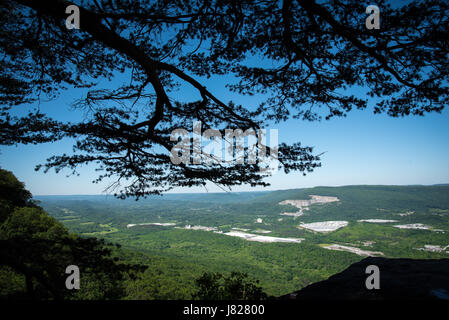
<point>309,60</point>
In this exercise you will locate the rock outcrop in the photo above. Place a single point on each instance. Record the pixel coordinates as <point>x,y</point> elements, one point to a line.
<point>399,279</point>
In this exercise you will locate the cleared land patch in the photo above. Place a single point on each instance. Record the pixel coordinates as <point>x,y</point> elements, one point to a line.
<point>258,238</point>
<point>304,204</point>
<point>377,220</point>
<point>262,231</point>
<point>434,248</point>
<point>324,226</point>
<point>189,227</point>
<point>151,224</point>
<point>417,226</point>
<point>355,250</point>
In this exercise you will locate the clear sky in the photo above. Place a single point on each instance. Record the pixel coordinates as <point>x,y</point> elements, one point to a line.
<point>361,149</point>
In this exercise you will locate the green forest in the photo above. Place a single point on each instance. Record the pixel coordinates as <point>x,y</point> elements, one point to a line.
<point>128,249</point>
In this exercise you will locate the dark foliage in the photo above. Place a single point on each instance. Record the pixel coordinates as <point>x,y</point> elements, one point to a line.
<point>236,286</point>
<point>39,248</point>
<point>308,59</point>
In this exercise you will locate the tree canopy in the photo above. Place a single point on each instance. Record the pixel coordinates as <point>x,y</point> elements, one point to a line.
<point>36,249</point>
<point>308,59</point>
<point>236,286</point>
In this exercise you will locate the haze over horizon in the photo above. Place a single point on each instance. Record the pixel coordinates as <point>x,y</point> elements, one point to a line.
<point>186,192</point>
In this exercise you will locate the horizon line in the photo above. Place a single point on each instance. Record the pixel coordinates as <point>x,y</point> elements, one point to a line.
<point>255,191</point>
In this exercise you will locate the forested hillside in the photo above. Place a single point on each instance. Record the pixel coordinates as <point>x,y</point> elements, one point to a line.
<point>36,249</point>
<point>178,255</point>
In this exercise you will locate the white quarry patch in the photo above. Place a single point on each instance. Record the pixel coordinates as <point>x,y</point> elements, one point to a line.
<point>377,220</point>
<point>358,251</point>
<point>239,229</point>
<point>295,214</point>
<point>408,213</point>
<point>314,199</point>
<point>418,226</point>
<point>189,227</point>
<point>258,238</point>
<point>303,204</point>
<point>325,226</point>
<point>261,231</point>
<point>168,224</point>
<point>433,248</point>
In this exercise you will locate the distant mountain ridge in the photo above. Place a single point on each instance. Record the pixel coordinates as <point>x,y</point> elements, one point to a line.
<point>359,193</point>
<point>182,195</point>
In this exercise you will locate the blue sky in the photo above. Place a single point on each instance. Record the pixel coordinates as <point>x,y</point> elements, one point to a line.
<point>361,149</point>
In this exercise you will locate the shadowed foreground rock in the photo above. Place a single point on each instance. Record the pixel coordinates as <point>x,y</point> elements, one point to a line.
<point>399,279</point>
